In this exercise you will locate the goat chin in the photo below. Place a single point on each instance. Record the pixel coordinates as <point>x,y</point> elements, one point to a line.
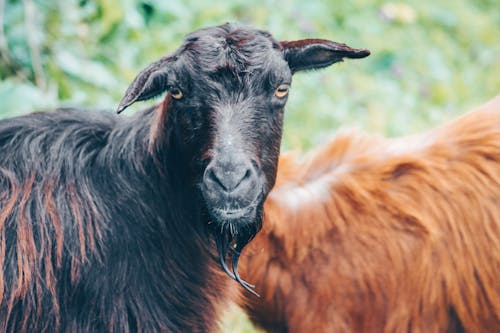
<point>232,235</point>
<point>368,234</point>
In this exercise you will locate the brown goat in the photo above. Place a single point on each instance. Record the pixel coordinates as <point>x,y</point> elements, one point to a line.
<point>384,235</point>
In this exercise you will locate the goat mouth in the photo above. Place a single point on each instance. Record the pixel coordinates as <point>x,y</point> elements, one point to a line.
<point>228,214</point>
<point>238,211</point>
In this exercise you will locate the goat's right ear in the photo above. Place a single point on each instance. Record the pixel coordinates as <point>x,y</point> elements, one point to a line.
<point>317,53</point>
<point>150,82</point>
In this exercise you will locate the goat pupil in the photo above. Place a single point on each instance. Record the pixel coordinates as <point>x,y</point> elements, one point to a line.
<point>281,91</point>
<point>176,93</point>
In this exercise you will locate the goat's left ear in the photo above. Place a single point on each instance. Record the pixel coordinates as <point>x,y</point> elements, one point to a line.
<point>317,53</point>
<point>150,82</point>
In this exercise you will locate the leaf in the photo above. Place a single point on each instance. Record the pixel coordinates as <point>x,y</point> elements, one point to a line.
<point>86,70</point>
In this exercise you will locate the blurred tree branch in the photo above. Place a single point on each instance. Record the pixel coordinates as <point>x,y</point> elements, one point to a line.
<point>36,59</point>
<point>9,66</point>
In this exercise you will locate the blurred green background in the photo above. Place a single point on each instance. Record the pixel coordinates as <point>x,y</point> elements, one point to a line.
<point>431,59</point>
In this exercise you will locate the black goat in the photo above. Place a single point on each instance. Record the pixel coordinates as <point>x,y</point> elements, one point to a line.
<point>107,224</point>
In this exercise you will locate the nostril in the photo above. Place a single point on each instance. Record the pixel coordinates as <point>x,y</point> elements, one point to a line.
<point>215,179</point>
<point>247,175</point>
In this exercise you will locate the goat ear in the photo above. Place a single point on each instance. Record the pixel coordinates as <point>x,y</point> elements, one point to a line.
<point>150,82</point>
<point>317,53</point>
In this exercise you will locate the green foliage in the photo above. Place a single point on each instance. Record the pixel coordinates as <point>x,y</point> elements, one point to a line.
<point>431,60</point>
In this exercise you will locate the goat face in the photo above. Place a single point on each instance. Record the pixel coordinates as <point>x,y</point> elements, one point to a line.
<point>227,88</point>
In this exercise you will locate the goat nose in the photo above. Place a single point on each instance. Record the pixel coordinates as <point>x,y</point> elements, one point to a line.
<point>228,177</point>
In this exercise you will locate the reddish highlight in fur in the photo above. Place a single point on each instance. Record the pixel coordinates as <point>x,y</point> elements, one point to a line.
<point>378,235</point>
<point>158,130</point>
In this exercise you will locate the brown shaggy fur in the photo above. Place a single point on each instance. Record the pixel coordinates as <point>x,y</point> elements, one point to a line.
<point>384,235</point>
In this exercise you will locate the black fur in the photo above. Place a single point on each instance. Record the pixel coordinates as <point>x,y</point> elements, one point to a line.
<point>143,267</point>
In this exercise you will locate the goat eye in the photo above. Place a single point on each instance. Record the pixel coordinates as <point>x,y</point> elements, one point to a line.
<point>176,93</point>
<point>282,90</point>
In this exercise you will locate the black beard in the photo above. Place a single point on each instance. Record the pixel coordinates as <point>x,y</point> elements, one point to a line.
<point>230,238</point>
